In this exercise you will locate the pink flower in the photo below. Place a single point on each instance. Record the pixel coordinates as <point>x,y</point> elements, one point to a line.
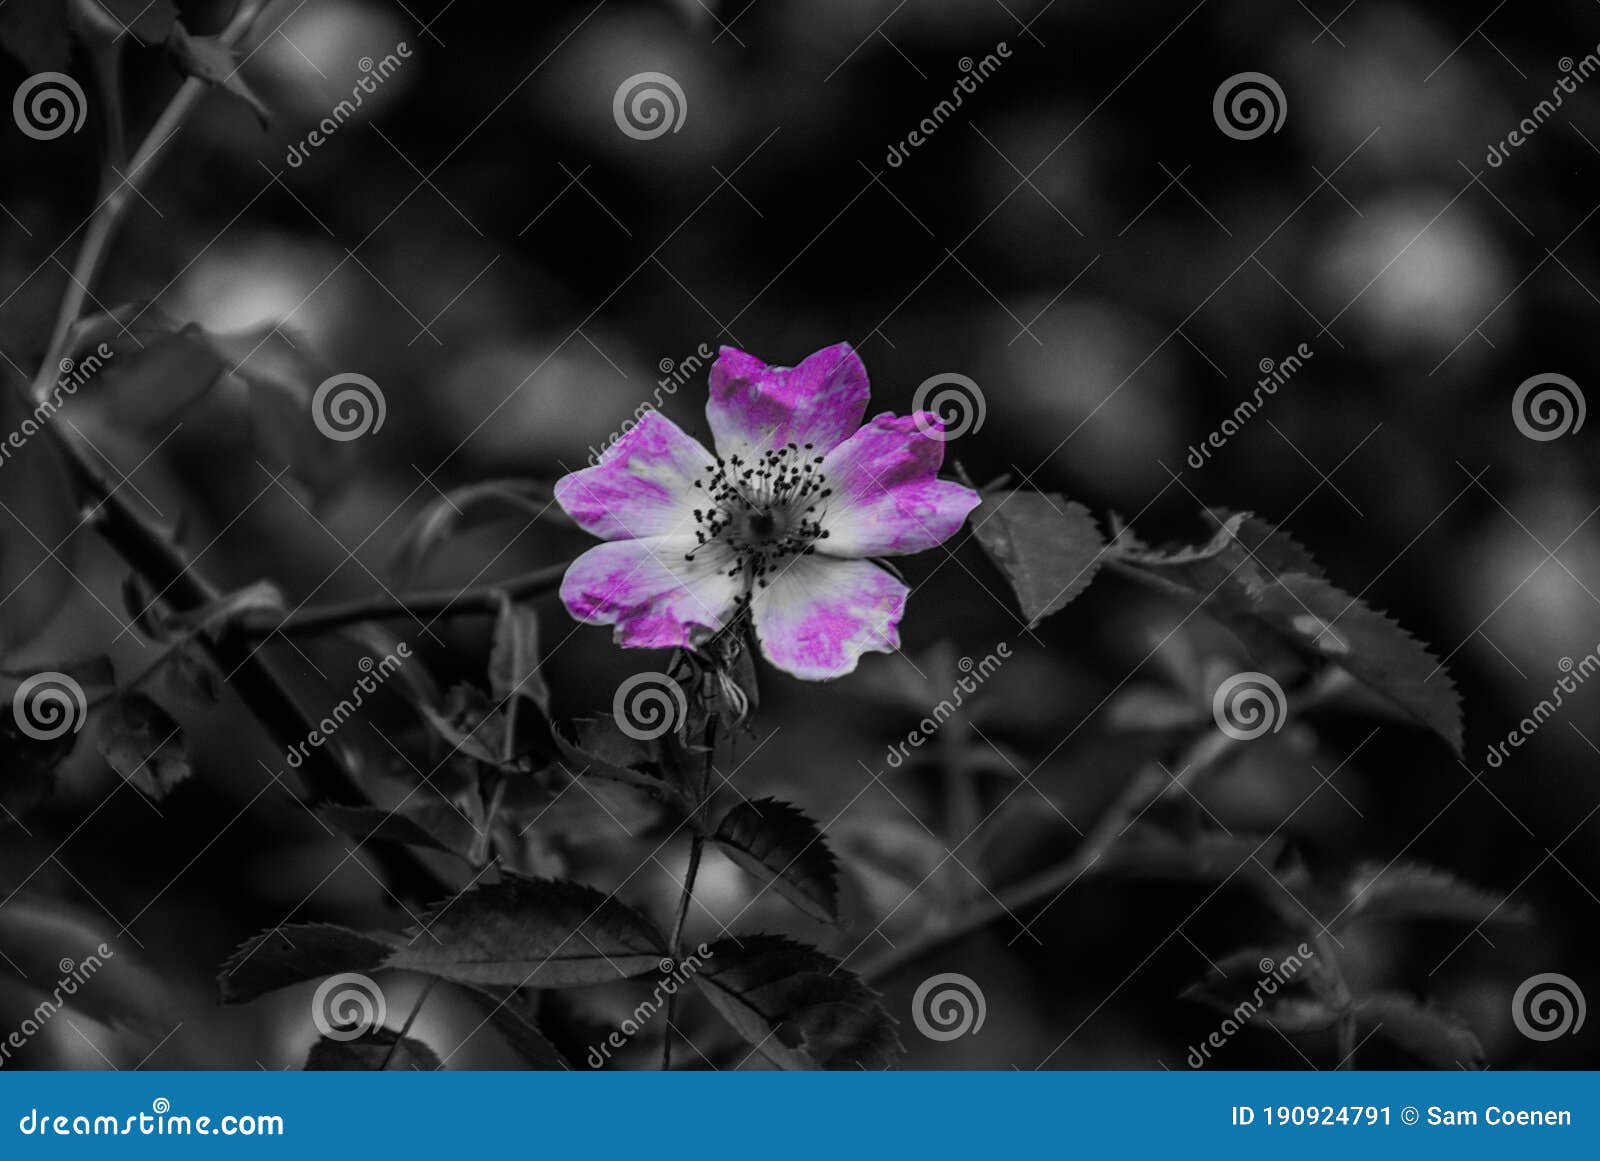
<point>777,525</point>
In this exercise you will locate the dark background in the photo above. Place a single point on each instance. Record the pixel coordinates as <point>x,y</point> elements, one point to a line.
<point>1084,243</point>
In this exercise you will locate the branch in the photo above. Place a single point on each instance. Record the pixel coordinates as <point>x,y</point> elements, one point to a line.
<point>1142,791</point>
<point>313,619</point>
<point>145,545</point>
<point>120,194</point>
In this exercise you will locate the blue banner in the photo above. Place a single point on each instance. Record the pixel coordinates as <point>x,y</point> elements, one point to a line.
<point>770,1116</point>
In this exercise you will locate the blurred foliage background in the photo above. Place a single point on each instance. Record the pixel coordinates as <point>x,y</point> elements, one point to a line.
<point>1081,241</point>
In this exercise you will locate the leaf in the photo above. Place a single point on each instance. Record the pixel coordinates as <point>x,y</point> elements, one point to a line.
<point>799,1007</point>
<point>443,517</point>
<point>1280,985</point>
<point>538,933</point>
<point>211,61</point>
<point>1237,578</point>
<point>602,750</point>
<point>144,743</point>
<point>778,844</point>
<point>440,828</point>
<point>1433,1035</point>
<point>154,373</point>
<point>471,726</point>
<point>294,953</point>
<point>1413,891</point>
<point>380,1048</point>
<point>1048,547</point>
<point>514,656</point>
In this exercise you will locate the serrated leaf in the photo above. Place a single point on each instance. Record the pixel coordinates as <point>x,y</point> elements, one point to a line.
<point>444,517</point>
<point>1322,620</point>
<point>538,933</point>
<point>144,744</point>
<point>514,656</point>
<point>602,750</point>
<point>1277,984</point>
<point>294,953</point>
<point>1048,547</point>
<point>1129,547</point>
<point>778,844</point>
<point>1413,891</point>
<point>1298,615</point>
<point>211,61</point>
<point>1434,1035</point>
<point>797,1006</point>
<point>381,1048</point>
<point>438,828</point>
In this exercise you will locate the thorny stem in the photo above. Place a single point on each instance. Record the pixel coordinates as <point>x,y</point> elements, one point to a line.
<point>1142,790</point>
<point>696,847</point>
<point>145,545</point>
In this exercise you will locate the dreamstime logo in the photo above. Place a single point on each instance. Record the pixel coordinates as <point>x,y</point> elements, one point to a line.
<point>375,673</point>
<point>1249,105</point>
<point>74,975</point>
<point>348,1006</point>
<point>1548,407</point>
<point>957,402</point>
<point>975,674</point>
<point>1273,376</point>
<point>1548,1006</point>
<point>49,105</point>
<point>674,976</point>
<point>1275,974</point>
<point>48,706</point>
<point>649,705</point>
<point>948,1006</point>
<point>649,105</point>
<point>348,406</point>
<point>1248,705</point>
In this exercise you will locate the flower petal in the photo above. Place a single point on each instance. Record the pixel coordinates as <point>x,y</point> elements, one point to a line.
<point>818,616</point>
<point>886,497</point>
<point>643,485</point>
<point>754,407</point>
<point>655,598</point>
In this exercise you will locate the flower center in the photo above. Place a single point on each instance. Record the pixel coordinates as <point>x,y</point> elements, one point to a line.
<point>763,511</point>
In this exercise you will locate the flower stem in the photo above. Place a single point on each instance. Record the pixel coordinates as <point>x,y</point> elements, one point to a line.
<point>696,848</point>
